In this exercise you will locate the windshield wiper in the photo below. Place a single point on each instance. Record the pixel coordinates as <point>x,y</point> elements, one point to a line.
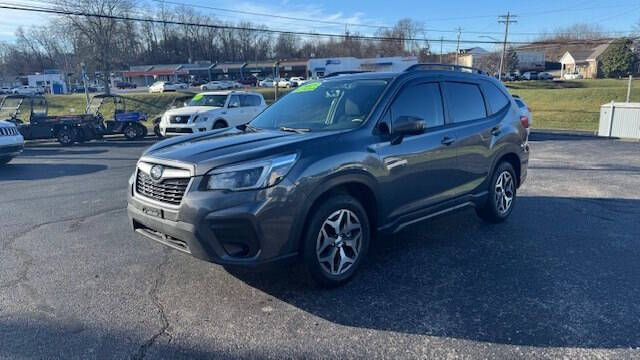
<point>295,130</point>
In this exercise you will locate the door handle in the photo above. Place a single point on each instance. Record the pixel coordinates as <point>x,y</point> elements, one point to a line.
<point>447,141</point>
<point>496,131</point>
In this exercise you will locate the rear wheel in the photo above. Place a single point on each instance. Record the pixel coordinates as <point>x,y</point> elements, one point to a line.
<point>502,195</point>
<point>66,137</point>
<point>130,132</point>
<point>336,240</point>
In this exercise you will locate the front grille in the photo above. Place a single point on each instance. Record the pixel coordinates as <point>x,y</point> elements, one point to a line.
<point>179,119</point>
<point>168,191</point>
<point>8,131</point>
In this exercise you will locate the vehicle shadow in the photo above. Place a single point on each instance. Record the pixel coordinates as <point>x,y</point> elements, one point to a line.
<point>32,171</point>
<point>561,272</point>
<point>36,336</point>
<point>49,151</point>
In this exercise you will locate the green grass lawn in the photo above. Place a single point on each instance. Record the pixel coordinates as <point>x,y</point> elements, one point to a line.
<point>573,105</point>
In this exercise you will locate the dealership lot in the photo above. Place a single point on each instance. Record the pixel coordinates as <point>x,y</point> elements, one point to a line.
<point>559,278</point>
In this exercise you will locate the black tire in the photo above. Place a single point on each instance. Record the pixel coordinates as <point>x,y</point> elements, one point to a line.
<point>328,210</point>
<point>130,132</point>
<point>5,160</point>
<point>220,124</point>
<point>142,131</point>
<point>66,136</point>
<point>495,209</point>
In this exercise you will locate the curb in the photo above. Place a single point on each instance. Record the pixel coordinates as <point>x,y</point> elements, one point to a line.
<point>565,132</point>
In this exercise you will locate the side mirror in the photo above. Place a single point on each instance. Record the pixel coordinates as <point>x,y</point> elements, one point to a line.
<point>406,125</point>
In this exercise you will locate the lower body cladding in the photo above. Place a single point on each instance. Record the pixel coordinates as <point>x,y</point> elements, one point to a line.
<point>245,228</point>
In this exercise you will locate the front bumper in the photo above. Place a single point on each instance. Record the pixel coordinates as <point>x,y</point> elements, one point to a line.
<point>11,146</point>
<point>247,228</point>
<point>167,129</point>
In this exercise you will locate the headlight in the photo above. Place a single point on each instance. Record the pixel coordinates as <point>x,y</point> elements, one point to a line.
<point>199,118</point>
<point>251,175</point>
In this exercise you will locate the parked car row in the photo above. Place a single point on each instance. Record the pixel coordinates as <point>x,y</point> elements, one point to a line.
<point>22,90</point>
<point>529,75</point>
<point>221,85</point>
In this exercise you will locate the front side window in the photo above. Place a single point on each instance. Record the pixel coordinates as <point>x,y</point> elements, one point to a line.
<point>234,101</point>
<point>423,101</point>
<point>323,105</point>
<point>465,102</point>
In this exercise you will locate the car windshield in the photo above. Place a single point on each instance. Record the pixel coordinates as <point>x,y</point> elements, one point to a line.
<point>323,105</point>
<point>208,100</point>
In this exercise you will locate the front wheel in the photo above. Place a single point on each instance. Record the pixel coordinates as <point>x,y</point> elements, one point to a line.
<point>336,240</point>
<point>502,195</point>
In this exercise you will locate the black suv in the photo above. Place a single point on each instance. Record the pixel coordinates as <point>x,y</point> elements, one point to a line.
<point>332,163</point>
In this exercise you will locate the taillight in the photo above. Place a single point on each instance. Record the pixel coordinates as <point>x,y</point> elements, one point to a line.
<point>525,121</point>
<point>529,109</point>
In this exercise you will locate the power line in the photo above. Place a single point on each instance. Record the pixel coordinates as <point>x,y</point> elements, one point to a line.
<point>267,30</point>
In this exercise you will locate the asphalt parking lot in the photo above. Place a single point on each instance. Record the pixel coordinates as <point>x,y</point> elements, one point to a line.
<point>561,278</point>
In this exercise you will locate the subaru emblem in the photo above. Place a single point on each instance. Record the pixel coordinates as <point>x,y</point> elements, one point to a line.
<point>156,172</point>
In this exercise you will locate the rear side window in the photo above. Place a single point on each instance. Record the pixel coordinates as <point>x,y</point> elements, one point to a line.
<point>465,102</point>
<point>249,100</point>
<point>520,103</point>
<point>421,100</point>
<point>496,98</point>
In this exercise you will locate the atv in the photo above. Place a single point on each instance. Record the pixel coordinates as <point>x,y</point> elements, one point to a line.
<point>36,123</point>
<point>128,123</point>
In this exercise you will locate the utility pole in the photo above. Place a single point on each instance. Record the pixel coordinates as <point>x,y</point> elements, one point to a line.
<point>459,29</point>
<point>84,82</point>
<point>629,88</point>
<point>441,41</point>
<point>505,19</point>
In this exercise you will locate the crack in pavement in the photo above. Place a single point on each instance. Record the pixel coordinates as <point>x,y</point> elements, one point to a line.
<point>153,293</point>
<point>27,260</point>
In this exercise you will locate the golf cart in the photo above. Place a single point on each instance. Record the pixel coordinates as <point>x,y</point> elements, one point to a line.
<point>31,115</point>
<point>124,122</point>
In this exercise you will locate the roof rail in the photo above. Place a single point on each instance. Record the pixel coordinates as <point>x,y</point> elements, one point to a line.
<point>337,73</point>
<point>446,67</point>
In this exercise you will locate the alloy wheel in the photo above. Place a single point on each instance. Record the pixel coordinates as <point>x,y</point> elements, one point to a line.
<point>504,192</point>
<point>339,242</point>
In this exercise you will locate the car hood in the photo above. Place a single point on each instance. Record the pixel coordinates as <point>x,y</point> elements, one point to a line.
<point>6,124</point>
<point>215,148</point>
<point>191,110</point>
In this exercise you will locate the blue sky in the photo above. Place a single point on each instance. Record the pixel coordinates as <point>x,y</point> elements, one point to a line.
<point>440,18</point>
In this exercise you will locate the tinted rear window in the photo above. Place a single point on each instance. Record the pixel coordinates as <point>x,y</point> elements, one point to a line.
<point>465,102</point>
<point>497,99</point>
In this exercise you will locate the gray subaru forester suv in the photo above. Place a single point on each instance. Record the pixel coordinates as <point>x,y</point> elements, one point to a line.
<point>321,171</point>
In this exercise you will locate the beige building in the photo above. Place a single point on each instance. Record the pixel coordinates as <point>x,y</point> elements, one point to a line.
<point>584,62</point>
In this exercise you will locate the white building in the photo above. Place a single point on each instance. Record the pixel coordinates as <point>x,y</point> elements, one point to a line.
<point>327,66</point>
<point>530,60</point>
<point>51,80</point>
